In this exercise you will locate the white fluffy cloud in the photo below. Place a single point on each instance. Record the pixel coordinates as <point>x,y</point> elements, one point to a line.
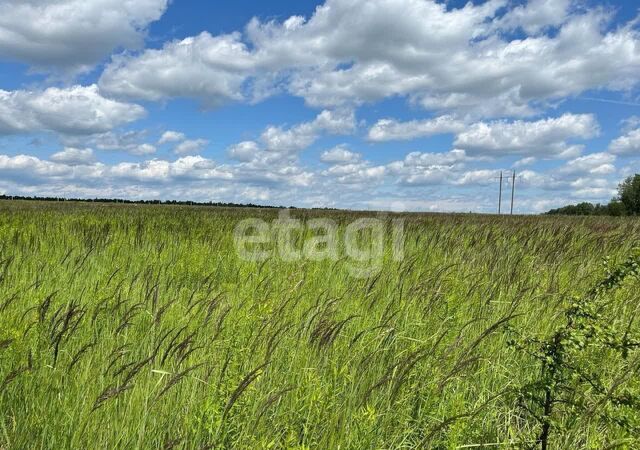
<point>29,170</point>
<point>586,178</point>
<point>419,168</point>
<point>258,166</point>
<point>454,59</point>
<point>142,150</point>
<point>78,110</point>
<point>546,137</point>
<point>593,164</point>
<point>589,188</point>
<point>524,162</point>
<point>274,158</point>
<point>360,174</point>
<point>420,160</point>
<point>183,146</point>
<point>340,155</point>
<point>263,168</point>
<point>131,142</point>
<point>476,177</point>
<point>188,167</point>
<point>299,137</point>
<point>354,51</point>
<point>171,136</point>
<point>190,146</point>
<point>74,156</point>
<point>348,168</point>
<point>244,151</point>
<point>416,169</point>
<point>209,68</point>
<point>627,145</point>
<point>536,15</point>
<point>389,129</point>
<point>72,35</point>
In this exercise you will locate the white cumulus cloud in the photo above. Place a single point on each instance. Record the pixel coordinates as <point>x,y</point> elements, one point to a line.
<point>74,156</point>
<point>171,136</point>
<point>301,136</point>
<point>211,69</point>
<point>190,146</point>
<point>593,164</point>
<point>351,52</point>
<point>73,35</point>
<point>340,155</point>
<point>627,145</point>
<point>389,129</point>
<point>78,110</point>
<point>546,137</point>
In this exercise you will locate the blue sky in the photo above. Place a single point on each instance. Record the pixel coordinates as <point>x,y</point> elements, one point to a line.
<point>364,104</point>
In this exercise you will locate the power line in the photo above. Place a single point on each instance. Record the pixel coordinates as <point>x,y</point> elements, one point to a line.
<point>501,179</point>
<point>513,189</point>
<point>500,198</point>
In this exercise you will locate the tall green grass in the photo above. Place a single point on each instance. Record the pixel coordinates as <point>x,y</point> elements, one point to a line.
<point>138,327</point>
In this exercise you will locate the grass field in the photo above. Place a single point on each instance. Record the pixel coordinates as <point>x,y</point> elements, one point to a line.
<point>139,327</point>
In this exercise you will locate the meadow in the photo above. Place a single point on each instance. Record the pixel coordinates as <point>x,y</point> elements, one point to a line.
<point>138,327</point>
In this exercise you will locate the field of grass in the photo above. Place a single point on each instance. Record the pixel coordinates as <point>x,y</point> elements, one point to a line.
<point>139,327</point>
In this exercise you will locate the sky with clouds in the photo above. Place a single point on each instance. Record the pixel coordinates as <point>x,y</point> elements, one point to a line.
<point>364,104</point>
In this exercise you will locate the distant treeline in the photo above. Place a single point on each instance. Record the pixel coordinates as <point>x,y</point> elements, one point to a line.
<point>626,203</point>
<point>138,202</point>
<point>590,209</point>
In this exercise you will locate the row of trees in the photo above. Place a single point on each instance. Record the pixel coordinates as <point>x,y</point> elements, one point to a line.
<point>150,202</point>
<point>627,203</point>
<point>136,202</point>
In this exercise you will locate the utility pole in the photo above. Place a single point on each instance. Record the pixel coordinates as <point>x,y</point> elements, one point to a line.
<point>513,189</point>
<point>500,199</point>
